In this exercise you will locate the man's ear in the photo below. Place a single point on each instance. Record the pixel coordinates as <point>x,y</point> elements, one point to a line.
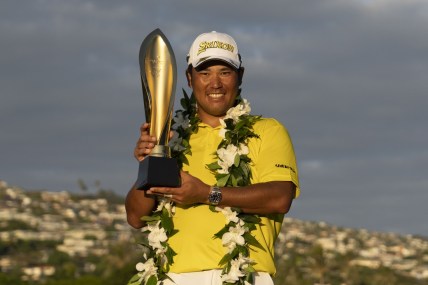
<point>189,77</point>
<point>240,75</point>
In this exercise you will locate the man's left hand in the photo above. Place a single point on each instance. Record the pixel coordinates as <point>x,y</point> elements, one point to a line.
<point>191,191</point>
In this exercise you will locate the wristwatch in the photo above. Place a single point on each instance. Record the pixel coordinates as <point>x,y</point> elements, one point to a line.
<point>215,196</point>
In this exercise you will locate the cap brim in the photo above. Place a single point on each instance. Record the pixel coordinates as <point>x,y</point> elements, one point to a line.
<point>219,58</point>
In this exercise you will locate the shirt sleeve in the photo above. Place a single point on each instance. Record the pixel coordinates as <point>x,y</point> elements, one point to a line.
<point>273,156</point>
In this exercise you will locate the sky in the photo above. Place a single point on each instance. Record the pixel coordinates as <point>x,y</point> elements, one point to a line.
<point>348,79</point>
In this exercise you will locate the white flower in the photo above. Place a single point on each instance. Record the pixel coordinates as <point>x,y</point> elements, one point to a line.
<point>243,149</point>
<point>222,133</point>
<point>223,130</point>
<point>224,168</point>
<point>234,273</point>
<point>244,261</point>
<point>156,235</point>
<point>227,155</point>
<point>161,254</point>
<point>231,216</point>
<point>246,106</point>
<point>180,121</point>
<point>237,267</point>
<point>175,143</point>
<point>167,204</point>
<point>146,269</point>
<point>233,237</point>
<point>234,113</point>
<point>242,108</point>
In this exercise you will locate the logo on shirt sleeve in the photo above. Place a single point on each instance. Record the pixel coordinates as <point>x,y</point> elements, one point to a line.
<point>285,166</point>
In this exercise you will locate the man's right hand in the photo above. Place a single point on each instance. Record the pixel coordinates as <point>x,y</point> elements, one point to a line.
<point>145,143</point>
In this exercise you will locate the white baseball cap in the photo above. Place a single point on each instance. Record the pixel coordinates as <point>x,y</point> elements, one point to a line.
<point>213,45</point>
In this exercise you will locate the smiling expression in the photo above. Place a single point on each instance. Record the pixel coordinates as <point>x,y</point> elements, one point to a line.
<point>215,86</point>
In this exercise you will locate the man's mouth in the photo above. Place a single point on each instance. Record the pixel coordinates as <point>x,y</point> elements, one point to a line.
<point>215,95</point>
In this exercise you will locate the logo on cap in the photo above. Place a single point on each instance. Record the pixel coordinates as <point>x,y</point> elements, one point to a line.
<point>203,46</point>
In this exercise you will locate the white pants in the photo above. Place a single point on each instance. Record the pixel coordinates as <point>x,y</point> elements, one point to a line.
<point>211,277</point>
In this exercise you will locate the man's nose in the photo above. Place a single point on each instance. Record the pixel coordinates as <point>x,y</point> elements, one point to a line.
<point>216,81</point>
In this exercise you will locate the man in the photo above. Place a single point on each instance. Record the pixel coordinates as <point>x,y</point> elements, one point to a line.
<point>215,74</point>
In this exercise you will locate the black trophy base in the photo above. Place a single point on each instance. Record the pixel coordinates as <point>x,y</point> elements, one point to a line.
<point>158,171</point>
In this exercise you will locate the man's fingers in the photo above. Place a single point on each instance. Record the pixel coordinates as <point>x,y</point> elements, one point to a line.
<point>145,144</point>
<point>144,128</point>
<point>160,191</point>
<point>145,133</point>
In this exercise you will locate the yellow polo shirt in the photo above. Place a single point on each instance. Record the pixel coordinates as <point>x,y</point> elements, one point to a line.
<point>273,160</point>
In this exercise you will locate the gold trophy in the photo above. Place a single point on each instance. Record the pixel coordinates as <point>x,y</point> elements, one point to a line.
<point>158,71</point>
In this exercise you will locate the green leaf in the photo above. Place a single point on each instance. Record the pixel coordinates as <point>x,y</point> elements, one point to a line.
<point>134,280</point>
<point>220,175</point>
<point>242,250</point>
<point>146,244</point>
<point>237,160</point>
<point>153,280</point>
<point>246,167</point>
<point>254,219</point>
<point>184,160</point>
<point>167,222</point>
<point>229,123</point>
<point>150,218</point>
<point>221,232</point>
<point>222,181</point>
<point>173,232</point>
<point>238,178</point>
<point>213,166</point>
<point>226,259</point>
<point>253,241</point>
<point>250,269</point>
<point>238,210</point>
<point>234,180</point>
<point>185,95</point>
<point>240,124</point>
<point>170,253</point>
<point>169,278</point>
<point>236,251</point>
<point>250,277</point>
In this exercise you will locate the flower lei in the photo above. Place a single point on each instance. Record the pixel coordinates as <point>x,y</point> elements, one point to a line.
<point>231,169</point>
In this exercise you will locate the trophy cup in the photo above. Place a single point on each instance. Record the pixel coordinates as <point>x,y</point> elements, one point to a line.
<point>158,72</point>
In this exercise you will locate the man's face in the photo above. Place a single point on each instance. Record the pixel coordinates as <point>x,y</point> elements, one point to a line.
<point>215,86</point>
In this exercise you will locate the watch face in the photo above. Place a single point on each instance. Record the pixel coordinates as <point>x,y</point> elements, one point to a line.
<point>215,197</point>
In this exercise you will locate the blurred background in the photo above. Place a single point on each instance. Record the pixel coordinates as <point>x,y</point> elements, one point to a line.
<point>347,78</point>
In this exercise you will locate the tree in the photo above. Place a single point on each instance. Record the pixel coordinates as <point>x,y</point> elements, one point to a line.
<point>318,263</point>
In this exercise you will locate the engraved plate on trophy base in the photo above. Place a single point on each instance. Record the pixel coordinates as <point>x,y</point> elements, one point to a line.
<point>158,171</point>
